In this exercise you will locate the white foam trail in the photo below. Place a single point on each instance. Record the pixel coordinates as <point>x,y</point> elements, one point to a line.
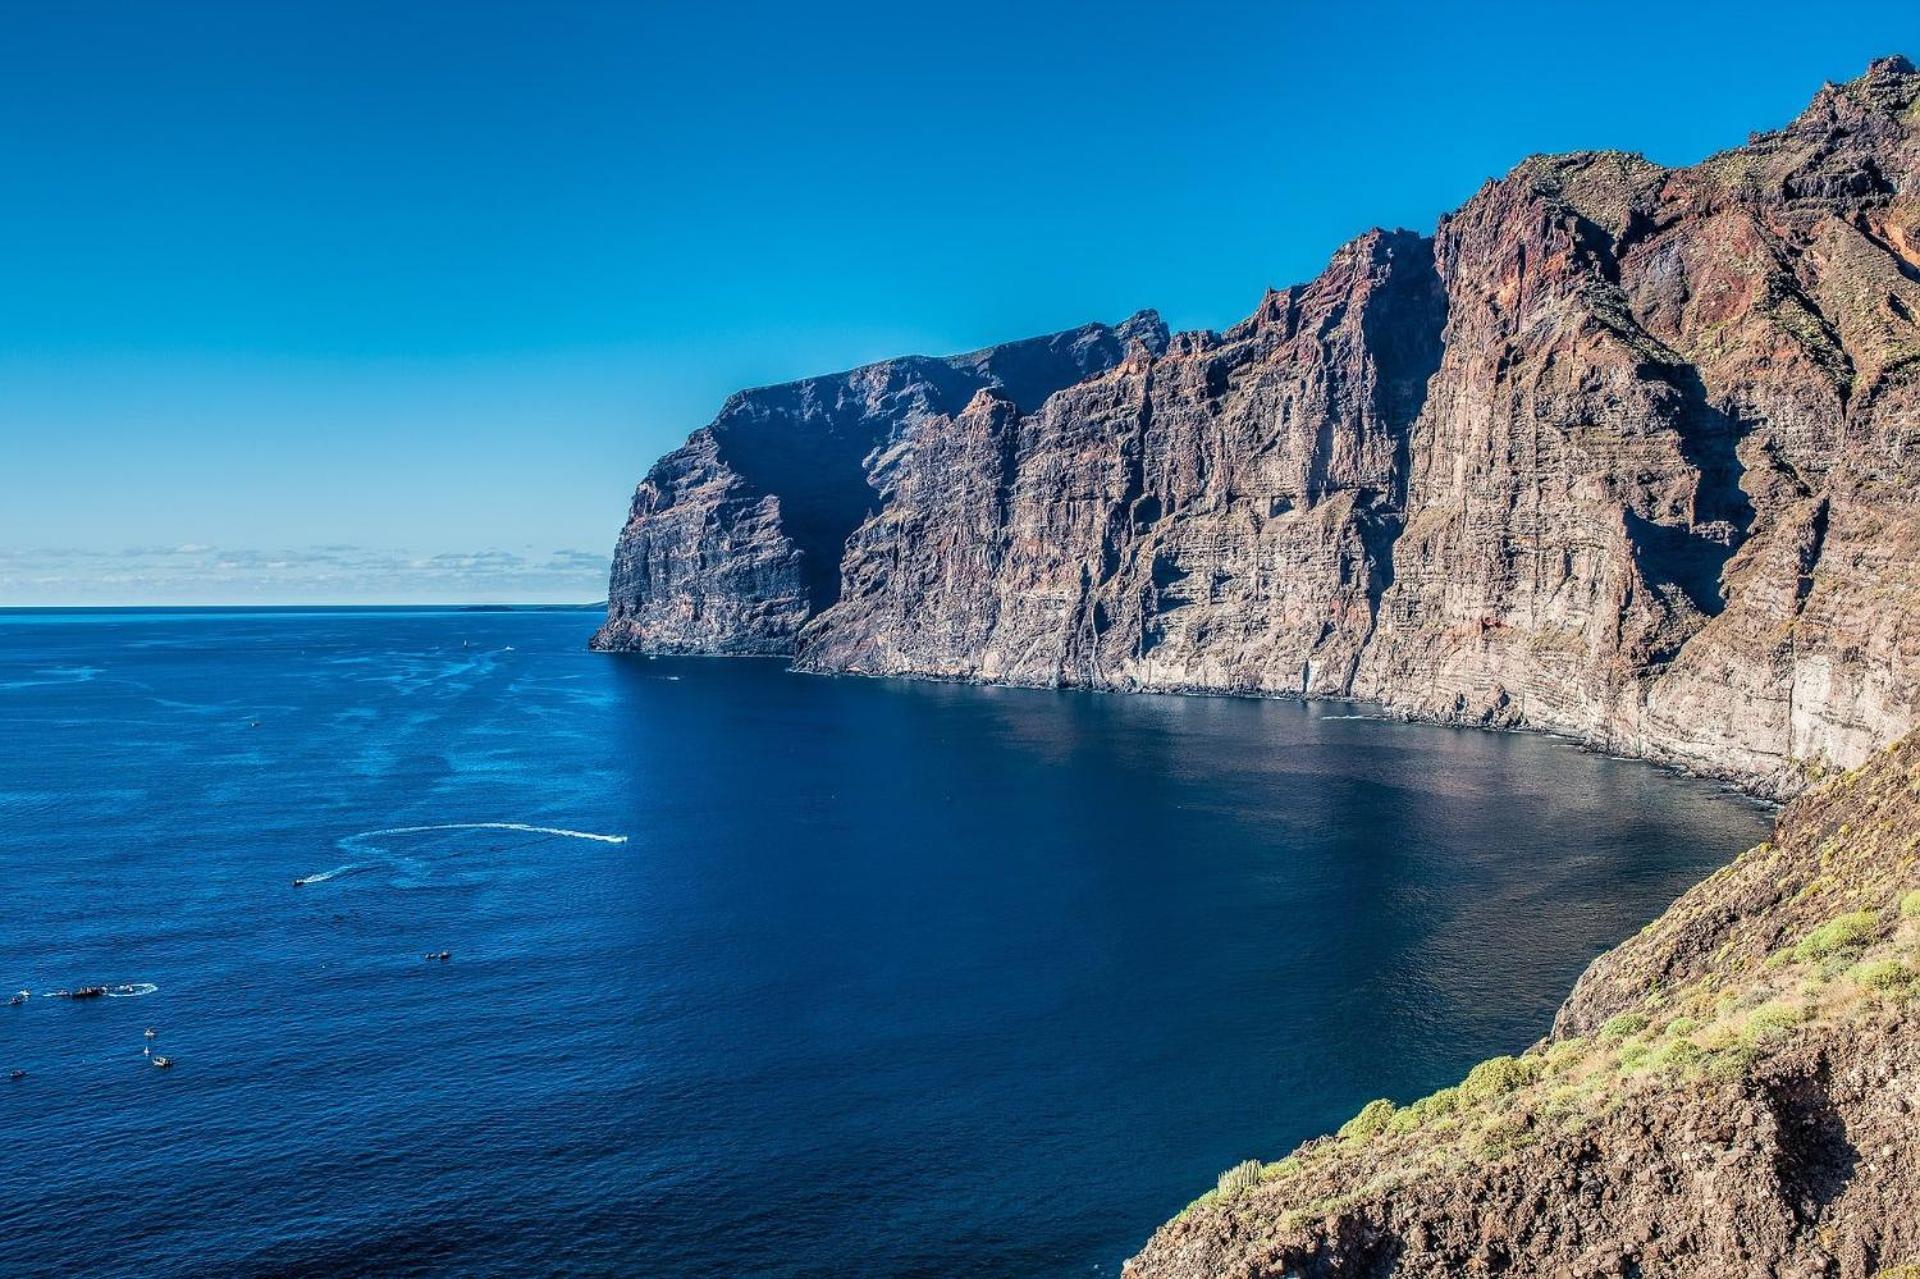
<point>134,990</point>
<point>524,828</point>
<point>519,826</point>
<point>325,875</point>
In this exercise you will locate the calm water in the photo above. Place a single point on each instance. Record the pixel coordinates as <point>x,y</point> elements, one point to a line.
<point>888,978</point>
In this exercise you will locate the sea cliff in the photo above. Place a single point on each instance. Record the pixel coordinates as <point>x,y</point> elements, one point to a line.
<point>1620,451</point>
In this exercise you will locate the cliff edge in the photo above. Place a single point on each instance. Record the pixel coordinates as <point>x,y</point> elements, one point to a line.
<point>1620,451</point>
<point>1733,1092</point>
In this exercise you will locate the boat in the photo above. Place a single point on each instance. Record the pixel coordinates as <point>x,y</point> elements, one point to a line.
<point>17,1074</point>
<point>84,992</point>
<point>162,1063</point>
<point>17,1000</point>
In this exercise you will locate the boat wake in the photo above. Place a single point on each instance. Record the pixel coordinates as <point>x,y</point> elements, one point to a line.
<point>123,990</point>
<point>325,875</point>
<point>365,841</point>
<point>522,827</point>
<point>132,990</point>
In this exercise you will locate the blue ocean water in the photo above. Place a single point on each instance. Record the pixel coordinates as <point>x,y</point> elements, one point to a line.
<point>886,979</point>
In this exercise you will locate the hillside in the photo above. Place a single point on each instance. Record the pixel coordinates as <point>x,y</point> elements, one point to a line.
<point>1733,1092</point>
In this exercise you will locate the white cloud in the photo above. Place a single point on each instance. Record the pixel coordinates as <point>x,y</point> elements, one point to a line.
<point>195,573</point>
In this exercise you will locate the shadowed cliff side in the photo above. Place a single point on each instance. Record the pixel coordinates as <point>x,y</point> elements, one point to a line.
<point>1216,517</point>
<point>1622,451</point>
<point>1734,1092</point>
<point>734,540</point>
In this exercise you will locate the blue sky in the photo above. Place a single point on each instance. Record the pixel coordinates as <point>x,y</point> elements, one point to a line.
<point>402,300</point>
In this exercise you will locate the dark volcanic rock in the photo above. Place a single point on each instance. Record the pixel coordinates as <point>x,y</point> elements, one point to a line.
<point>734,540</point>
<point>1208,518</point>
<point>1623,451</point>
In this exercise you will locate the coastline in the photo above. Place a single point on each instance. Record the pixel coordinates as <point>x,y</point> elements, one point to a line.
<point>1755,788</point>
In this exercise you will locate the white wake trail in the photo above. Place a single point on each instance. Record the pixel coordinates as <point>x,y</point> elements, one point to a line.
<point>519,826</point>
<point>362,840</point>
<point>325,875</point>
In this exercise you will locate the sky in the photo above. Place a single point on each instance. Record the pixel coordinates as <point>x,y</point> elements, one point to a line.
<point>311,302</point>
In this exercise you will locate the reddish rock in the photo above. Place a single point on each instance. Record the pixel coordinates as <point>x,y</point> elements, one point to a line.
<point>1622,451</point>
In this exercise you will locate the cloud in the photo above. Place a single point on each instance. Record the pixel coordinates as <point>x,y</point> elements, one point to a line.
<point>195,573</point>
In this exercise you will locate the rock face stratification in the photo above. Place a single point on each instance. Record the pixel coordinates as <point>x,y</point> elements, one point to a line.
<point>1622,451</point>
<point>734,540</point>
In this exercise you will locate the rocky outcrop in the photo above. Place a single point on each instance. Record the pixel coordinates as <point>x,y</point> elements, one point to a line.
<point>1734,1092</point>
<point>1215,517</point>
<point>1662,493</point>
<point>1621,451</point>
<point>734,540</point>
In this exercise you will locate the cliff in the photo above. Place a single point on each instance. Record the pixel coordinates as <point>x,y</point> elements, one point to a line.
<point>1621,451</point>
<point>734,540</point>
<point>1733,1092</point>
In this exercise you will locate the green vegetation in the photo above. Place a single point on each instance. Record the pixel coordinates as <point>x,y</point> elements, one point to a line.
<point>1838,935</point>
<point>1503,1135</point>
<point>1625,1026</point>
<point>1496,1077</point>
<point>1771,1021</point>
<point>1425,1110</point>
<point>1888,976</point>
<point>1369,1123</point>
<point>1678,1055</point>
<point>1910,905</point>
<point>1566,1054</point>
<point>1240,1178</point>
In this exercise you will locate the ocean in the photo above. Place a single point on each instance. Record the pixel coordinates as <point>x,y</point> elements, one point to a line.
<point>747,972</point>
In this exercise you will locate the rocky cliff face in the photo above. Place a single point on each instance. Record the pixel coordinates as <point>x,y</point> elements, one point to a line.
<point>734,540</point>
<point>1621,451</point>
<point>1734,1092</point>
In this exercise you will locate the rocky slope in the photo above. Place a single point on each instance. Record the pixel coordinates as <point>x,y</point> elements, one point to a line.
<point>1621,451</point>
<point>1733,1092</point>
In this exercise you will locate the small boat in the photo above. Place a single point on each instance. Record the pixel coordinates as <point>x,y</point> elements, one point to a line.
<point>162,1063</point>
<point>16,1074</point>
<point>151,1032</point>
<point>299,883</point>
<point>17,1000</point>
<point>85,992</point>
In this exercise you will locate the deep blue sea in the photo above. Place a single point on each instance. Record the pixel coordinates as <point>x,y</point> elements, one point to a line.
<point>886,978</point>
